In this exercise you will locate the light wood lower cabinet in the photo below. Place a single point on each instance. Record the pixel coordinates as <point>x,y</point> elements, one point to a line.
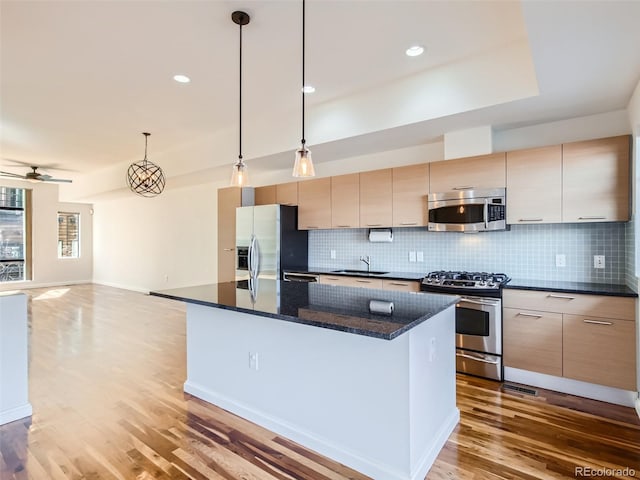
<point>533,340</point>
<point>401,285</point>
<point>362,282</point>
<point>591,338</point>
<point>600,350</point>
<point>366,282</point>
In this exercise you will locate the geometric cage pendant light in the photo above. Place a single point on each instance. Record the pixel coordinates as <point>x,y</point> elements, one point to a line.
<point>145,178</point>
<point>303,166</point>
<point>240,174</point>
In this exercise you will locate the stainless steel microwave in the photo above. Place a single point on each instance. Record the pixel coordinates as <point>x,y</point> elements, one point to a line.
<point>467,211</point>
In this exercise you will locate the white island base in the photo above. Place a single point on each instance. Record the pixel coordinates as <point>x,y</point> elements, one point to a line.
<point>382,407</point>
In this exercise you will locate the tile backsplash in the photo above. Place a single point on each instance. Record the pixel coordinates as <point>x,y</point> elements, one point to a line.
<point>524,252</point>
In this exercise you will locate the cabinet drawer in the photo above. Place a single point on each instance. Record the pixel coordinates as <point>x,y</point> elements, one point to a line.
<point>533,340</point>
<point>361,282</point>
<point>599,350</point>
<point>401,285</point>
<point>573,303</point>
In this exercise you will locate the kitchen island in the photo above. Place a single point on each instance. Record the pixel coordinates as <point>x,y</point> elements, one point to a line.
<point>312,363</point>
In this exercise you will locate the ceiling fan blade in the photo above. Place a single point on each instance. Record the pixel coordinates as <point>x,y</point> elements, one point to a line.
<point>58,180</point>
<point>11,175</point>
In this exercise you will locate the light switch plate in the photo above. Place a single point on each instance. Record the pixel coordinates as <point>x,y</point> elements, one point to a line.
<point>561,260</point>
<point>412,256</point>
<point>333,254</point>
<point>598,261</point>
<point>420,256</point>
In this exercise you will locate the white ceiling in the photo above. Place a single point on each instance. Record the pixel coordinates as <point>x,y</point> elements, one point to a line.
<point>81,79</point>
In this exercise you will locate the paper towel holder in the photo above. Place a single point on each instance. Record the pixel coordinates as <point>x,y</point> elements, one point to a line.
<point>380,235</point>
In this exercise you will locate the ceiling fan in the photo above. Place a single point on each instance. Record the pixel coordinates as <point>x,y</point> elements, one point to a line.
<point>35,176</point>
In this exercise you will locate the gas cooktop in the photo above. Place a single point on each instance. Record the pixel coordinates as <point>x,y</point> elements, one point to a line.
<point>473,283</point>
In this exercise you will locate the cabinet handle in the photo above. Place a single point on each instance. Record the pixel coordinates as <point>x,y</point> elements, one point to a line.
<point>363,281</point>
<point>596,322</point>
<point>566,297</point>
<point>311,226</point>
<point>528,315</point>
<point>374,224</point>
<point>343,226</point>
<point>530,220</point>
<point>408,223</point>
<point>229,249</point>
<point>594,217</point>
<point>399,284</point>
<point>463,188</point>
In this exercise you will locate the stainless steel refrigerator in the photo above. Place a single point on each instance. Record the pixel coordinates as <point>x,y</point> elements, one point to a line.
<point>268,242</point>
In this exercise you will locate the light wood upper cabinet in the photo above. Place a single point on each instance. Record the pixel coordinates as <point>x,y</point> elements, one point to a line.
<point>345,201</point>
<point>287,193</point>
<point>471,173</point>
<point>533,340</point>
<point>410,189</point>
<point>534,185</point>
<point>376,193</point>
<point>600,350</point>
<point>314,204</point>
<point>595,180</point>
<point>265,195</point>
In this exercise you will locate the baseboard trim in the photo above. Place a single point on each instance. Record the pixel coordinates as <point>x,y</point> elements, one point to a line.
<point>429,456</point>
<point>638,405</point>
<point>29,284</point>
<point>572,387</point>
<point>16,413</point>
<point>122,287</point>
<point>324,446</point>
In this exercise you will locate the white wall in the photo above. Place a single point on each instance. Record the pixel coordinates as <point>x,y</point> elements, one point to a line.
<point>153,243</point>
<point>47,268</point>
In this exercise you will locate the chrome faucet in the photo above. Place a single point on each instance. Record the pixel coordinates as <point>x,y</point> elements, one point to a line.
<point>366,259</point>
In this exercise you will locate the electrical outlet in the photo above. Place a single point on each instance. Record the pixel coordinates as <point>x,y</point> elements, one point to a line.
<point>333,254</point>
<point>598,261</point>
<point>253,360</point>
<point>420,256</point>
<point>432,349</point>
<point>561,260</point>
<point>412,256</point>
<point>166,277</point>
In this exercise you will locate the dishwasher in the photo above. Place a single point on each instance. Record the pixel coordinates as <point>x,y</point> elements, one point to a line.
<point>300,277</point>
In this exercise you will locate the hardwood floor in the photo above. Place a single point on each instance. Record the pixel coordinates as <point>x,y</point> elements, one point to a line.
<point>107,368</point>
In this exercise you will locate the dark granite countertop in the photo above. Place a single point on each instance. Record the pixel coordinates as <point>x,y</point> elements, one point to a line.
<point>409,276</point>
<point>327,306</point>
<point>572,287</point>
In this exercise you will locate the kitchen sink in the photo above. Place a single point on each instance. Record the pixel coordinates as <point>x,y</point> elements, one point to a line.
<point>359,272</point>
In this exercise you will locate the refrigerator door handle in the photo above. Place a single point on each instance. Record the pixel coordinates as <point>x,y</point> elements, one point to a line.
<point>254,257</point>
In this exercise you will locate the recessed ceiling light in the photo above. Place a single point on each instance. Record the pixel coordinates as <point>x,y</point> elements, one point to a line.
<point>181,78</point>
<point>414,51</point>
<point>308,89</point>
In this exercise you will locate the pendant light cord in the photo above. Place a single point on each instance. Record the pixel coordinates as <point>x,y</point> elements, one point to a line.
<point>240,102</point>
<point>146,137</point>
<point>303,48</point>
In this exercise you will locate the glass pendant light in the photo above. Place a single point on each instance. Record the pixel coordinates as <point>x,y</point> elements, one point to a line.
<point>304,165</point>
<point>240,174</point>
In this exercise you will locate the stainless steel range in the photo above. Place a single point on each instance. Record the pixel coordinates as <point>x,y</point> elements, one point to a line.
<point>478,318</point>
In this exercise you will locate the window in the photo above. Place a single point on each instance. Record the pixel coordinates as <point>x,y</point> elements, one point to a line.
<point>13,234</point>
<point>68,235</point>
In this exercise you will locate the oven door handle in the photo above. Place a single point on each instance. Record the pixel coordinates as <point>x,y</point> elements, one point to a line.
<point>479,302</point>
<point>479,359</point>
